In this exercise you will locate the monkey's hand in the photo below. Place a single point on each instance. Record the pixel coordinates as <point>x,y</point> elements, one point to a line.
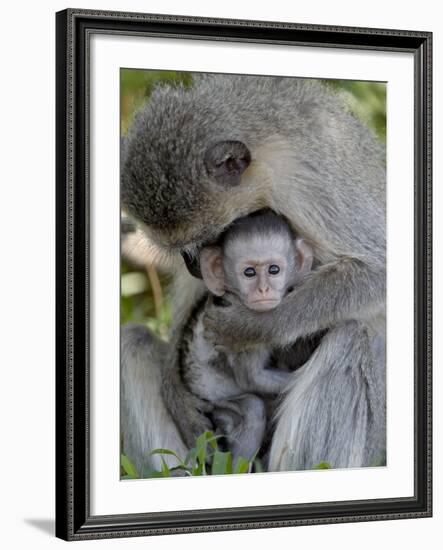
<point>188,411</point>
<point>195,422</point>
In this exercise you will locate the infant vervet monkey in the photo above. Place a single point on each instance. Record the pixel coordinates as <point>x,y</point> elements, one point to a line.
<point>259,259</point>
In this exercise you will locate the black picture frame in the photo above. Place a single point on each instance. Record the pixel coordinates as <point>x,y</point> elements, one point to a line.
<point>73,518</point>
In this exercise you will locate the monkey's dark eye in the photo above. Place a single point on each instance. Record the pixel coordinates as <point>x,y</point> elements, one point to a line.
<point>274,269</point>
<point>249,272</point>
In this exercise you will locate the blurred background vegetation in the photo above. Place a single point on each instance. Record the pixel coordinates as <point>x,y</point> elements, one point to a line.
<point>143,287</point>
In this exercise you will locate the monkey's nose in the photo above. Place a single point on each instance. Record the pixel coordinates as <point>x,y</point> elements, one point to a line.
<point>263,289</point>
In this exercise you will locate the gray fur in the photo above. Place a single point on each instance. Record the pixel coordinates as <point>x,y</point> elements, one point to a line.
<point>263,222</point>
<point>220,376</point>
<point>323,170</point>
<point>312,427</point>
<point>142,407</point>
<point>244,419</point>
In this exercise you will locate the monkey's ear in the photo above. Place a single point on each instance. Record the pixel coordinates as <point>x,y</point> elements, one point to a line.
<point>212,269</point>
<point>226,161</point>
<point>304,256</point>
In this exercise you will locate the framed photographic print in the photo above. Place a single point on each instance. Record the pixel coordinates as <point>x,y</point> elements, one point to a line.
<point>243,274</point>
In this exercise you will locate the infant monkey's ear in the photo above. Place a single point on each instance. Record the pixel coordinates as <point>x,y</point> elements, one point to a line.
<point>304,256</point>
<point>211,267</point>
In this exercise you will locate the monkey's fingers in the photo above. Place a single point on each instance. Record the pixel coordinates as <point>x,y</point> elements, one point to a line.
<point>196,425</point>
<point>202,405</point>
<point>230,405</point>
<point>193,422</point>
<point>224,423</point>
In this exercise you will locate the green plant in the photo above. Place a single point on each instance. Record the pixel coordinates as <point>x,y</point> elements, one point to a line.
<point>323,466</point>
<point>204,459</point>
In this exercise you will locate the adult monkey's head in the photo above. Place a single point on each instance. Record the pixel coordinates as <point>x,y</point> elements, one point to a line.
<point>188,169</point>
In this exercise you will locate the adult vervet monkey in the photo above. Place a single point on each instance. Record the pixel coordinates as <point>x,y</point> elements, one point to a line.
<point>197,159</point>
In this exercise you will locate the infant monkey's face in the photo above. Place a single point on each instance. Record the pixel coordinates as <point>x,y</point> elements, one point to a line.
<point>258,263</point>
<point>258,270</point>
<point>260,285</point>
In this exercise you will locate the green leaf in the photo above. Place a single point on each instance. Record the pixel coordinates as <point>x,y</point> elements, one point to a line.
<point>242,466</point>
<point>128,467</point>
<point>323,466</point>
<point>198,470</point>
<point>201,446</point>
<point>167,452</point>
<point>191,458</point>
<point>165,469</point>
<point>258,467</point>
<point>152,474</point>
<point>205,436</point>
<point>212,440</point>
<point>222,463</point>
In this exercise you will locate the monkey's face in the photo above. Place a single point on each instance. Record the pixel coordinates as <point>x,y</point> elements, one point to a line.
<point>258,270</point>
<point>260,284</point>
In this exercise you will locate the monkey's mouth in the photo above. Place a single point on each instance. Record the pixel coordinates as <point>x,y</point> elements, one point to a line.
<point>263,305</point>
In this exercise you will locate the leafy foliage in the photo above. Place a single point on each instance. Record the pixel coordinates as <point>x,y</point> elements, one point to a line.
<point>129,470</point>
<point>205,458</point>
<point>137,301</point>
<point>323,466</point>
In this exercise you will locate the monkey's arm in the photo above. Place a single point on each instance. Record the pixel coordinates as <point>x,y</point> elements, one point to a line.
<point>269,381</point>
<point>251,375</point>
<point>331,294</point>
